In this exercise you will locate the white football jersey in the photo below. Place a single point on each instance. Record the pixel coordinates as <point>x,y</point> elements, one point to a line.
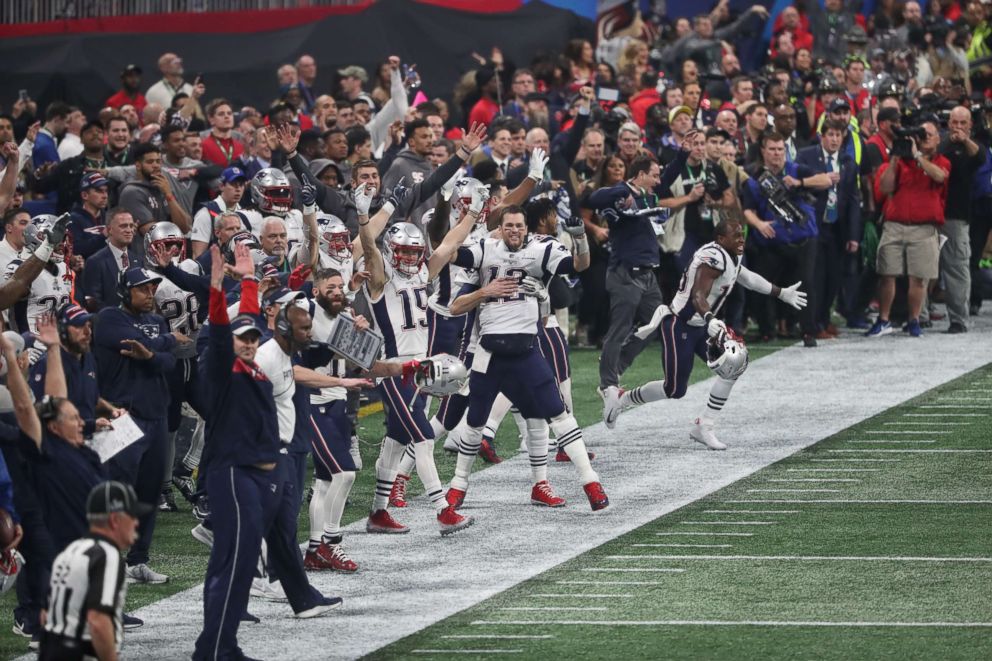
<point>400,314</point>
<point>539,257</point>
<point>715,257</point>
<point>469,277</point>
<point>278,367</point>
<point>294,226</point>
<point>179,308</point>
<point>322,323</point>
<point>443,286</point>
<point>48,293</point>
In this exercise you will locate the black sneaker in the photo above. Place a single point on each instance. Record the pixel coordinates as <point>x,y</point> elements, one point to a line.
<point>183,480</point>
<point>167,501</point>
<point>22,628</point>
<point>201,509</point>
<point>809,341</point>
<point>132,622</point>
<point>957,327</point>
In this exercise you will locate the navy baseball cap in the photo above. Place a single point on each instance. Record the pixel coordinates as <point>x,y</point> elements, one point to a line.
<point>111,496</point>
<point>282,295</point>
<point>72,314</point>
<point>245,323</point>
<point>233,174</point>
<point>138,276</point>
<point>838,105</point>
<point>92,180</point>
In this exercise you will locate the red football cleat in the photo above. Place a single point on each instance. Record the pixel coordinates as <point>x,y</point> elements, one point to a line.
<point>543,494</point>
<point>397,495</point>
<point>488,452</point>
<point>333,556</point>
<point>382,522</point>
<point>451,521</point>
<point>597,497</point>
<point>313,562</point>
<point>562,457</point>
<point>455,497</point>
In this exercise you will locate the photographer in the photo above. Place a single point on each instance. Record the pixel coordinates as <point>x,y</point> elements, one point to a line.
<point>915,182</point>
<point>965,157</point>
<point>783,240</point>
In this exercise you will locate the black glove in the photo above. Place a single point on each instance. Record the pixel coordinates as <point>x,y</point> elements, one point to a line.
<point>56,235</point>
<point>399,194</point>
<point>308,193</point>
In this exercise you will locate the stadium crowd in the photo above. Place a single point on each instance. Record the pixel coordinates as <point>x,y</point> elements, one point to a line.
<point>144,239</point>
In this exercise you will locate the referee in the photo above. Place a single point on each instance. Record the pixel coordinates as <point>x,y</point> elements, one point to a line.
<point>86,599</point>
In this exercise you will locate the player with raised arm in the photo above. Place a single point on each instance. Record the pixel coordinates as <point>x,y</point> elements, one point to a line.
<point>52,288</point>
<point>689,328</point>
<point>513,270</point>
<point>397,293</point>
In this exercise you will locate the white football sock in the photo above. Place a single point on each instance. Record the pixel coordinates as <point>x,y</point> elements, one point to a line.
<point>651,391</point>
<point>390,453</point>
<point>407,462</point>
<point>468,448</point>
<point>427,471</point>
<point>537,449</point>
<point>569,437</point>
<point>496,414</point>
<point>439,430</point>
<point>334,502</point>
<point>565,388</point>
<point>718,397</point>
<point>317,509</point>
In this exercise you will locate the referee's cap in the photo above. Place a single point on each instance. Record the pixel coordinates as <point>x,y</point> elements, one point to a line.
<point>111,496</point>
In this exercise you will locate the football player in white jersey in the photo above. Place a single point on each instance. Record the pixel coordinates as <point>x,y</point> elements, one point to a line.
<point>52,288</point>
<point>689,327</point>
<point>512,271</point>
<point>397,293</point>
<point>272,195</point>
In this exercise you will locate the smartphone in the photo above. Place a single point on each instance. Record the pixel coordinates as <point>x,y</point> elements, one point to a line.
<point>22,95</point>
<point>608,94</point>
<point>200,79</point>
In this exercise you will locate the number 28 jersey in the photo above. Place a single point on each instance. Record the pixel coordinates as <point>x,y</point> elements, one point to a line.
<point>400,314</point>
<point>715,257</point>
<point>540,257</point>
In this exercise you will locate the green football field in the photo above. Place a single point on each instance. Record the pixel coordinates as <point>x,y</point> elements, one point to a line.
<point>874,543</point>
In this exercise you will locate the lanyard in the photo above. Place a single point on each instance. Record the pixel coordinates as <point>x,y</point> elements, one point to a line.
<point>228,152</point>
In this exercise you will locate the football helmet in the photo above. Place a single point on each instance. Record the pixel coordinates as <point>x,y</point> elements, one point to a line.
<point>10,566</point>
<point>461,200</point>
<point>271,192</point>
<point>442,375</point>
<point>335,239</point>
<point>244,236</point>
<point>726,355</point>
<point>36,232</point>
<point>403,244</point>
<point>169,236</point>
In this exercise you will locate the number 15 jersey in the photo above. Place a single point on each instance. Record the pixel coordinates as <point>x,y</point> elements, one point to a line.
<point>400,314</point>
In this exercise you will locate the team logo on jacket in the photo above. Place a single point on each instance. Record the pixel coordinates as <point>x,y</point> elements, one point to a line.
<point>149,330</point>
<point>418,177</point>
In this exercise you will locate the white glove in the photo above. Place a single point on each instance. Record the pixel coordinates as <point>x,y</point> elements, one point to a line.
<point>792,296</point>
<point>538,161</point>
<point>531,286</point>
<point>479,198</point>
<point>449,187</point>
<point>363,198</point>
<point>714,326</point>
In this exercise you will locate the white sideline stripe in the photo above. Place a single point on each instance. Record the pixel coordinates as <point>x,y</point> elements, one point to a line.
<point>466,651</point>
<point>940,451</point>
<point>793,490</point>
<point>553,608</point>
<point>952,406</point>
<point>729,523</point>
<point>944,415</point>
<point>908,431</point>
<point>751,511</point>
<point>805,558</point>
<point>611,583</point>
<point>835,470</point>
<point>817,479</point>
<point>928,423</point>
<point>686,546</point>
<point>499,636</point>
<point>871,502</point>
<point>859,461</point>
<point>897,440</point>
<point>738,623</point>
<point>709,534</point>
<point>582,595</point>
<point>673,570</point>
<point>964,399</point>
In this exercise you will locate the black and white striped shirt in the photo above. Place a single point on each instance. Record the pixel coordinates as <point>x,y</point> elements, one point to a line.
<point>87,575</point>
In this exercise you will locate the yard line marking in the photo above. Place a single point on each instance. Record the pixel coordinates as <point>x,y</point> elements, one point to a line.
<point>583,596</point>
<point>928,423</point>
<point>860,461</point>
<point>728,523</point>
<point>553,608</point>
<point>611,583</point>
<point>500,636</point>
<point>687,546</point>
<point>673,570</point>
<point>868,502</point>
<point>710,534</point>
<point>751,511</point>
<point>964,399</point>
<point>897,440</point>
<point>909,431</point>
<point>834,470</point>
<point>944,415</point>
<point>737,623</point>
<point>802,558</point>
<point>984,390</point>
<point>951,406</point>
<point>907,451</point>
<point>817,479</point>
<point>793,490</point>
<point>466,651</point>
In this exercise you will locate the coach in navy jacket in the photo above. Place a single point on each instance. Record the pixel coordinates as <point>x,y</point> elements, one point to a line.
<point>133,350</point>
<point>840,228</point>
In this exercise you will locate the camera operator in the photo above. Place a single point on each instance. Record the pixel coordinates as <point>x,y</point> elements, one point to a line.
<point>916,186</point>
<point>783,240</point>
<point>965,157</point>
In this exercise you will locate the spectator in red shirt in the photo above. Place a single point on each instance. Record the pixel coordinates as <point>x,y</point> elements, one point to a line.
<point>790,21</point>
<point>645,98</point>
<point>129,94</point>
<point>917,190</point>
<point>220,147</point>
<point>485,108</point>
<point>854,76</point>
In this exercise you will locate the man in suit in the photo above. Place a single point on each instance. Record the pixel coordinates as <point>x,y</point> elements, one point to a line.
<point>838,214</point>
<point>103,269</point>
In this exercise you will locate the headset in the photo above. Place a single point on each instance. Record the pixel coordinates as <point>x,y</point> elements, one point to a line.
<point>283,327</point>
<point>123,291</point>
<point>48,408</point>
<point>61,325</point>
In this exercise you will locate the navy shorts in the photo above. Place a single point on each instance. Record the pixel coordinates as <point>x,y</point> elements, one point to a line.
<point>554,347</point>
<point>406,411</point>
<point>527,381</point>
<point>680,343</point>
<point>331,441</point>
<point>444,334</point>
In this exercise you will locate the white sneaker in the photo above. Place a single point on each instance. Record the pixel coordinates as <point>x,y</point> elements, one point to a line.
<point>144,574</point>
<point>611,406</point>
<point>355,451</point>
<point>702,432</point>
<point>263,588</point>
<point>203,535</point>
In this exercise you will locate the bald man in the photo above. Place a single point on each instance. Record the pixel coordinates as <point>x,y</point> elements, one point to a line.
<point>172,83</point>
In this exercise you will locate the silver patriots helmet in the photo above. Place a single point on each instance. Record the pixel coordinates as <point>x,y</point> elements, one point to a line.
<point>726,355</point>
<point>335,239</point>
<point>271,192</point>
<point>36,232</point>
<point>444,375</point>
<point>404,248</point>
<point>10,567</point>
<point>461,199</point>
<point>169,236</point>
